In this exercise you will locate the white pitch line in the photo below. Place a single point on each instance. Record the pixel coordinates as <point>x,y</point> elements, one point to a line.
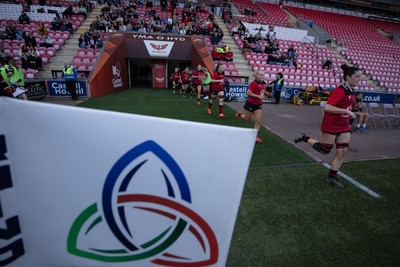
<point>354,182</point>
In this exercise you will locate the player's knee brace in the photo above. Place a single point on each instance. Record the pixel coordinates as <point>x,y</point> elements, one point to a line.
<point>323,148</point>
<point>342,145</point>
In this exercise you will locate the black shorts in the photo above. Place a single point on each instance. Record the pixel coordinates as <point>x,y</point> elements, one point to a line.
<point>336,134</point>
<point>251,107</point>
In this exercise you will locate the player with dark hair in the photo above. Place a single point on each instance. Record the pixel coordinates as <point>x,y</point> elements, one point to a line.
<point>253,105</point>
<point>176,79</point>
<point>335,124</point>
<point>217,89</point>
<point>197,81</point>
<point>185,76</point>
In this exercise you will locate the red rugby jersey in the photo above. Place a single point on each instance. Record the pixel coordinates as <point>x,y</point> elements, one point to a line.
<point>341,97</point>
<point>258,88</point>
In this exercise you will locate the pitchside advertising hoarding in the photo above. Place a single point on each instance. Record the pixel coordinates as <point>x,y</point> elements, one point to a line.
<point>57,88</point>
<point>36,89</point>
<point>128,197</point>
<point>240,92</point>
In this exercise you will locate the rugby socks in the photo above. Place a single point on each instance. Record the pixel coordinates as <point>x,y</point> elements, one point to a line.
<point>305,138</point>
<point>332,173</point>
<point>209,105</point>
<point>220,108</point>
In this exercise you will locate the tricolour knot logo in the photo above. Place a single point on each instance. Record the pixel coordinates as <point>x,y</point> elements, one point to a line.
<point>144,215</point>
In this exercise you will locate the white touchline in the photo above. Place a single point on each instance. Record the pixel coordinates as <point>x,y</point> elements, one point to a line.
<point>354,182</point>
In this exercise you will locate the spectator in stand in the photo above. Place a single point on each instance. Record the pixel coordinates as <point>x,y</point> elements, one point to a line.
<point>214,39</point>
<point>75,9</point>
<point>23,18</point>
<point>327,64</point>
<point>291,52</point>
<point>46,41</point>
<point>246,47</point>
<point>253,106</point>
<point>273,36</point>
<point>220,34</point>
<point>29,39</point>
<point>41,29</point>
<point>82,42</point>
<point>56,25</point>
<point>23,54</point>
<point>275,46</point>
<point>268,48</point>
<point>67,26</point>
<point>82,10</point>
<point>11,32</point>
<point>149,4</point>
<point>142,29</point>
<point>257,48</point>
<point>34,60</point>
<point>362,117</point>
<point>246,10</point>
<point>272,59</point>
<point>251,39</point>
<point>235,30</point>
<point>229,55</point>
<point>98,43</point>
<point>163,4</point>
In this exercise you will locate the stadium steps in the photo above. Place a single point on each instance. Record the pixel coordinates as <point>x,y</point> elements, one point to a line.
<point>349,63</point>
<point>239,60</point>
<point>292,21</point>
<point>70,48</point>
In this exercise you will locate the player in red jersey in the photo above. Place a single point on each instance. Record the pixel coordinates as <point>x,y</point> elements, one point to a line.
<point>253,105</point>
<point>176,79</point>
<point>197,82</point>
<point>335,124</point>
<point>217,89</point>
<point>185,75</point>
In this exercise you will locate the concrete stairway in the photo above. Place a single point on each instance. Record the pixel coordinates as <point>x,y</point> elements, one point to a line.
<point>69,49</point>
<point>241,63</point>
<point>349,63</point>
<point>292,21</point>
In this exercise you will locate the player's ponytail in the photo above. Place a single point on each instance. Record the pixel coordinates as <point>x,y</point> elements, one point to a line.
<point>348,71</point>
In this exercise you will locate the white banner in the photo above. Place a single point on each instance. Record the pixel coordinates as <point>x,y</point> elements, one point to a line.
<point>83,187</point>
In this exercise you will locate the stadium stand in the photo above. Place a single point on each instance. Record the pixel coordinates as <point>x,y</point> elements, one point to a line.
<point>364,46</point>
<point>9,14</point>
<point>389,27</point>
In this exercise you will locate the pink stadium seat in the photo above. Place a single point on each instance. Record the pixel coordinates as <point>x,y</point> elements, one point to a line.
<point>81,67</point>
<point>77,60</point>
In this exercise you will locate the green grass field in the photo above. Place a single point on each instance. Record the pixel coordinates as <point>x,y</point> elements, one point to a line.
<point>289,216</point>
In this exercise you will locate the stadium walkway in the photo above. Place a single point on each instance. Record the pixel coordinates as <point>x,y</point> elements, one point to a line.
<point>287,121</point>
